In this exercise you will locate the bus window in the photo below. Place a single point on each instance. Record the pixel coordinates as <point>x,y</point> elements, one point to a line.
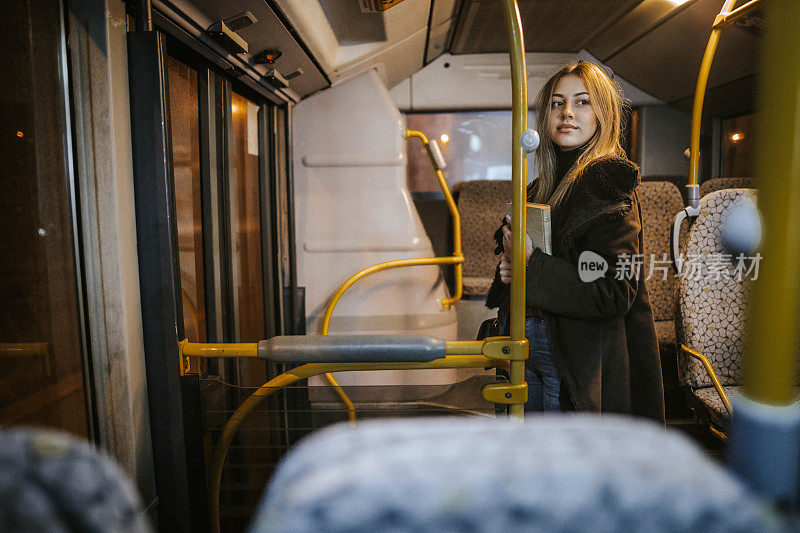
<point>245,228</point>
<point>42,381</point>
<point>738,142</point>
<point>474,144</point>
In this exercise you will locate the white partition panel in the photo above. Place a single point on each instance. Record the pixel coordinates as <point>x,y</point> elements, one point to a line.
<point>353,210</point>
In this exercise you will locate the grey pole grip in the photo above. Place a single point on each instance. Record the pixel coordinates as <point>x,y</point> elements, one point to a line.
<point>352,349</point>
<point>436,156</point>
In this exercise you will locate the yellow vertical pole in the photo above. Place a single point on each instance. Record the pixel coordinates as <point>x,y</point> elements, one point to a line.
<point>764,443</point>
<point>699,96</point>
<point>519,84</point>
<point>770,356</point>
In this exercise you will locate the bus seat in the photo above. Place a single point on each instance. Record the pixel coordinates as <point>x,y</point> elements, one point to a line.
<point>565,472</point>
<point>712,309</point>
<point>50,481</point>
<point>716,184</point>
<point>660,200</point>
<point>679,181</point>
<point>482,204</point>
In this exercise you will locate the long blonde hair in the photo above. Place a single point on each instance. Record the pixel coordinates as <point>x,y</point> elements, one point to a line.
<point>606,100</point>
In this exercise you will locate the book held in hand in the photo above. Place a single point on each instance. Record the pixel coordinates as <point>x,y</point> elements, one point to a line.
<point>538,225</point>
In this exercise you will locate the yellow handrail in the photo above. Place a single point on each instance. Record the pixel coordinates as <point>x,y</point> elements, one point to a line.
<point>451,205</point>
<point>218,349</point>
<point>770,351</point>
<point>456,259</point>
<point>397,263</point>
<point>306,371</point>
<point>326,321</point>
<point>519,84</point>
<point>725,19</point>
<point>699,96</point>
<point>713,375</point>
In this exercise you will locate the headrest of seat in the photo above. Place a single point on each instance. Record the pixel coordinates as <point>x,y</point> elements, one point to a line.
<point>553,473</point>
<point>482,205</point>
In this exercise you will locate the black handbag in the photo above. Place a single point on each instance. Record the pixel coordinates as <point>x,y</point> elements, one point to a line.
<point>494,327</point>
<point>488,328</point>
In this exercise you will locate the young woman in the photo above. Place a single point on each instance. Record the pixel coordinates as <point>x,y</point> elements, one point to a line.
<point>592,339</point>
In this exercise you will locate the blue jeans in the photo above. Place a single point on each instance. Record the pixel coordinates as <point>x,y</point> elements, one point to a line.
<point>541,371</point>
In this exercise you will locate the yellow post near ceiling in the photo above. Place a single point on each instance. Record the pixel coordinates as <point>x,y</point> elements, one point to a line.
<point>519,181</point>
<point>699,96</point>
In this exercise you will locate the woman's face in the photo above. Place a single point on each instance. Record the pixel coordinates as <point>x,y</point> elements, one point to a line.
<point>572,119</point>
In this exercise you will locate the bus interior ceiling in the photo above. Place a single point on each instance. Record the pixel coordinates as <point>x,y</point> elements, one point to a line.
<point>290,171</point>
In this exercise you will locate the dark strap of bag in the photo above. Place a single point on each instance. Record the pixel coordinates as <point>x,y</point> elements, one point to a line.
<point>494,327</point>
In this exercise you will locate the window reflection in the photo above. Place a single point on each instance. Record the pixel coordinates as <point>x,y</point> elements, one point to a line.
<point>476,146</point>
<point>184,115</point>
<point>42,379</point>
<point>245,220</point>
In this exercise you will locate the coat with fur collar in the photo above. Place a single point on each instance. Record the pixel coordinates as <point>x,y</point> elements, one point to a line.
<point>601,331</point>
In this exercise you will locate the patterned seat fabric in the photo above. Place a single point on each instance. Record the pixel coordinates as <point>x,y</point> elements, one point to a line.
<point>554,473</point>
<point>660,202</point>
<point>482,205</point>
<point>52,482</point>
<point>716,409</point>
<point>665,332</point>
<point>679,182</point>
<point>717,184</point>
<point>476,285</point>
<point>713,297</point>
<point>711,402</point>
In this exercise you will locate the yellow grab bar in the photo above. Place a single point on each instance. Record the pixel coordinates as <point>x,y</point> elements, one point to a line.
<point>459,354</point>
<point>699,96</point>
<point>725,19</point>
<point>451,205</point>
<point>218,349</point>
<point>519,84</point>
<point>692,188</point>
<point>250,349</point>
<point>326,321</point>
<point>377,268</point>
<point>457,259</point>
<point>713,375</point>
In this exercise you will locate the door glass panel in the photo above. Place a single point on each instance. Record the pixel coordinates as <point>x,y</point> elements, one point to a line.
<point>244,482</point>
<point>184,115</point>
<point>42,378</point>
<point>245,219</point>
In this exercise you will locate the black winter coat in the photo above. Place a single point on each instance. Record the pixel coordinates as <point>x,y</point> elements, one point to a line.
<point>602,331</point>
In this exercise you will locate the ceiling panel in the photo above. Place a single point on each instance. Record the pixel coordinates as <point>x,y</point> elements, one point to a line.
<point>633,25</point>
<point>562,26</point>
<point>267,33</point>
<point>728,100</point>
<point>665,61</point>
